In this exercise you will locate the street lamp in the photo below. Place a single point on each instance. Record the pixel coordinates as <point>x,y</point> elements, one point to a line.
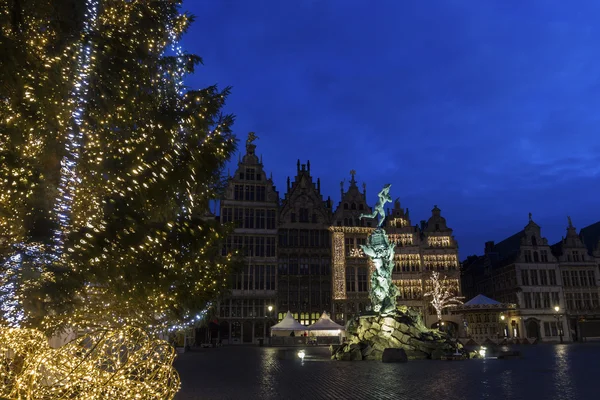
<point>504,330</point>
<point>270,309</point>
<point>558,322</point>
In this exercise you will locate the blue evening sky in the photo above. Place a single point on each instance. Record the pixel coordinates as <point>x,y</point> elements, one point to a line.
<point>488,108</point>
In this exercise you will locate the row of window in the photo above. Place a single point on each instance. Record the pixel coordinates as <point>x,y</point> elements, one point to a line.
<point>249,218</point>
<point>542,256</point>
<point>304,238</point>
<point>306,299</point>
<point>575,255</point>
<point>536,256</point>
<point>414,267</point>
<point>483,318</point>
<point>353,206</point>
<point>545,300</point>
<point>579,278</point>
<point>536,277</point>
<point>245,308</point>
<point>251,174</point>
<point>251,246</point>
<point>250,192</point>
<point>255,277</point>
<point>304,265</point>
<point>554,328</point>
<point>303,216</point>
<point>485,330</point>
<point>582,301</point>
<point>353,222</point>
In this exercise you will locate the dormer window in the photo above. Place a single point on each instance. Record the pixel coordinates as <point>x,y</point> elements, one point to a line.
<point>536,257</point>
<point>437,227</point>
<point>345,206</point>
<point>533,241</point>
<point>576,255</point>
<point>353,206</point>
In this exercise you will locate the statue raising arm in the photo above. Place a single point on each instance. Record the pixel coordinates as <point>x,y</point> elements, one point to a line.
<point>384,197</point>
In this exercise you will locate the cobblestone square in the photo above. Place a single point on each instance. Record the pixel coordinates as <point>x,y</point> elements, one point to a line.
<point>545,372</point>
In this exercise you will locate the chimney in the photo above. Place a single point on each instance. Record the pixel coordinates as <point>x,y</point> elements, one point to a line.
<point>288,183</point>
<point>308,165</point>
<point>489,247</point>
<point>298,165</point>
<point>319,185</point>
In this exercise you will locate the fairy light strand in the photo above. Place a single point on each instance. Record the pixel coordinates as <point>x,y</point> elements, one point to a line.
<point>76,133</point>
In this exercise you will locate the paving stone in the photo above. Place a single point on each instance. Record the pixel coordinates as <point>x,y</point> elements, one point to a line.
<point>544,372</point>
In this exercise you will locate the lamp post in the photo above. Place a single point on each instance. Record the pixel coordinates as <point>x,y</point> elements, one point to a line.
<point>504,333</point>
<point>270,309</point>
<point>558,322</point>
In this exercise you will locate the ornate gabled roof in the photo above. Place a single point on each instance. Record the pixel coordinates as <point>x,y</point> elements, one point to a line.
<point>353,203</point>
<point>591,236</point>
<point>250,170</point>
<point>571,241</point>
<point>304,192</point>
<point>436,222</point>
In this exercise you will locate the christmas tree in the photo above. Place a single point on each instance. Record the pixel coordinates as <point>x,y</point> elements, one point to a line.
<point>107,166</point>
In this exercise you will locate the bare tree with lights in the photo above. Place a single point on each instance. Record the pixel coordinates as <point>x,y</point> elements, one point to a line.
<point>442,295</point>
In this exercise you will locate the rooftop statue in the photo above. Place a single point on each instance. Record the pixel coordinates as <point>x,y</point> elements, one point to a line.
<point>251,138</point>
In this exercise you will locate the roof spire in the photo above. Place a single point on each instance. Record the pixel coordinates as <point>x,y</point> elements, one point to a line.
<point>352,173</point>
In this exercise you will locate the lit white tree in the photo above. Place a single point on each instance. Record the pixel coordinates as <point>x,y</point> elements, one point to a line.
<point>441,294</point>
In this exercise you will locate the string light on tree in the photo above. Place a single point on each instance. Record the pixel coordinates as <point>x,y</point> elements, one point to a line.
<point>107,165</point>
<point>441,294</point>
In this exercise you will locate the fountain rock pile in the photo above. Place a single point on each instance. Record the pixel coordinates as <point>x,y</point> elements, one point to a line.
<point>369,336</point>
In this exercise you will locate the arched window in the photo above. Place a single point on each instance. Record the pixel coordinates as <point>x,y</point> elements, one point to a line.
<point>533,241</point>
<point>353,206</point>
<point>536,257</point>
<point>345,206</point>
<point>361,207</point>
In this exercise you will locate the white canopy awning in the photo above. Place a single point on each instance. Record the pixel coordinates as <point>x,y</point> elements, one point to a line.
<point>288,324</point>
<point>325,324</point>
